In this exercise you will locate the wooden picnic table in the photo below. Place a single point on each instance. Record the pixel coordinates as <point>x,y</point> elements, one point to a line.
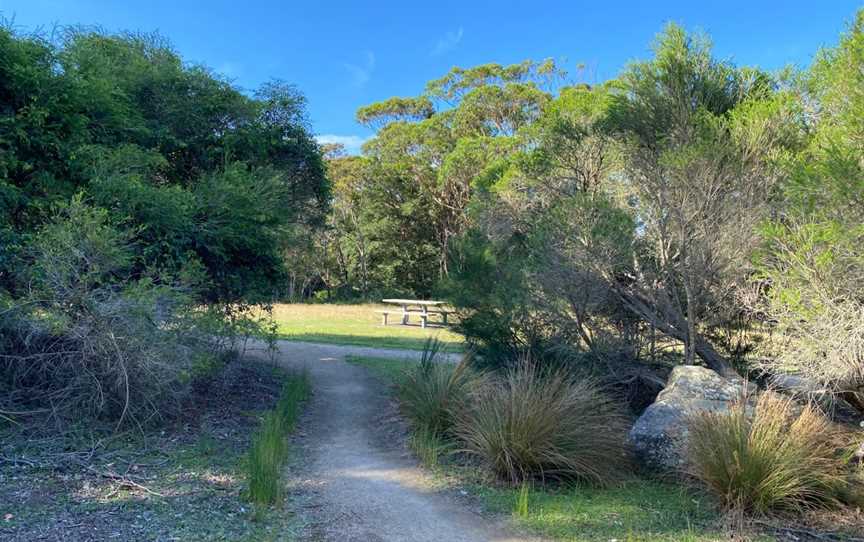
<point>422,310</point>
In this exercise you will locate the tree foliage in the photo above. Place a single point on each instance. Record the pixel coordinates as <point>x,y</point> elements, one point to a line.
<point>813,261</point>
<point>143,202</point>
<point>197,170</point>
<point>689,202</point>
<point>400,207</point>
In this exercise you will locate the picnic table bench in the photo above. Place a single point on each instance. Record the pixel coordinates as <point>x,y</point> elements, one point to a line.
<point>424,309</point>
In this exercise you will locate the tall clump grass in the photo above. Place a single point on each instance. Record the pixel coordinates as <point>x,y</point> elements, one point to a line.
<point>269,449</point>
<point>429,447</point>
<point>433,390</point>
<point>774,458</point>
<point>545,424</point>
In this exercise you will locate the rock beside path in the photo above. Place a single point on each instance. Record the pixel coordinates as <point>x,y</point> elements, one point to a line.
<point>659,435</point>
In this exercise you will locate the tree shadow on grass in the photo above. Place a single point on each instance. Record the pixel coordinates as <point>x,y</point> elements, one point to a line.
<point>407,343</point>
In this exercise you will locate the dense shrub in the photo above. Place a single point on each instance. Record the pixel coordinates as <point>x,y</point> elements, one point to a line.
<point>773,458</point>
<point>88,340</point>
<point>814,246</point>
<point>144,204</point>
<point>433,391</point>
<point>531,423</point>
<point>195,169</point>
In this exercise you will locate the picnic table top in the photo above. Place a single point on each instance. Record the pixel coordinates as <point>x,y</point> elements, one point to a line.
<point>412,302</point>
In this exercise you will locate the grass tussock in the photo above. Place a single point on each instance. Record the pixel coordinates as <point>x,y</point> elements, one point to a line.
<point>429,446</point>
<point>433,391</point>
<point>535,424</point>
<point>269,449</point>
<point>778,459</point>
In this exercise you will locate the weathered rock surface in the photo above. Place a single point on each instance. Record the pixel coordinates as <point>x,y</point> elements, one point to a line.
<point>659,435</point>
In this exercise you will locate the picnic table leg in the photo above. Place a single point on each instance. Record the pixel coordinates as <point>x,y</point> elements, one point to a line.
<point>404,315</point>
<point>384,315</point>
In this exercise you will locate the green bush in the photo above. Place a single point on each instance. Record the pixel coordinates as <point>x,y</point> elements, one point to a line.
<point>432,391</point>
<point>773,458</point>
<point>90,339</point>
<point>269,449</point>
<point>546,425</point>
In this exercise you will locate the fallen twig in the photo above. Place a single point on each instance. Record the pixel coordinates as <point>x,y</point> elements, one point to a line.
<point>123,480</point>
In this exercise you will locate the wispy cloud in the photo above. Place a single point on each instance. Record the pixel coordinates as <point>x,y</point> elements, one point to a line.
<point>352,143</point>
<point>448,42</point>
<point>230,69</point>
<point>361,73</point>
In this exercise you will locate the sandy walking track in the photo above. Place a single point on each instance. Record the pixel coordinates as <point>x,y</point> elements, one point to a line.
<point>357,481</point>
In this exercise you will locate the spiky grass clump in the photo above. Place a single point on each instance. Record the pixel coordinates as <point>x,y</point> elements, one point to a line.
<point>429,447</point>
<point>536,424</point>
<point>772,459</point>
<point>433,390</point>
<point>269,449</point>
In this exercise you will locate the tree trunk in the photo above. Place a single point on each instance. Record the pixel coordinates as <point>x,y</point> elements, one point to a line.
<point>713,359</point>
<point>691,337</point>
<point>702,348</point>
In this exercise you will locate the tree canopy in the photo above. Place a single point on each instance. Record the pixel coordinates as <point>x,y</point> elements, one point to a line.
<point>688,201</point>
<point>197,171</point>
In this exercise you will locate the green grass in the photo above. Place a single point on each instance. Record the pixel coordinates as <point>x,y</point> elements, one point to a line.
<point>269,449</point>
<point>428,447</point>
<point>523,501</point>
<point>640,509</point>
<point>390,370</point>
<point>357,325</point>
<point>637,510</point>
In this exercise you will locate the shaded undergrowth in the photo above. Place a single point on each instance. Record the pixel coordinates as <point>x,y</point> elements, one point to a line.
<point>185,481</point>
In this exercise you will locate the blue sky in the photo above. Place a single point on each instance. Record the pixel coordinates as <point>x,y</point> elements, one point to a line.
<point>346,54</point>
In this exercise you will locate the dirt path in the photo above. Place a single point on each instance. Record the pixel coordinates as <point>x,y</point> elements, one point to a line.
<point>358,480</point>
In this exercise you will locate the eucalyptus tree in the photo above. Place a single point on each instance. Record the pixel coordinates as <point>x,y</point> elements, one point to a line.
<point>441,147</point>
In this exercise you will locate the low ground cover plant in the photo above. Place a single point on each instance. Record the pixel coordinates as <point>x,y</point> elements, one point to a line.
<point>181,481</point>
<point>781,458</point>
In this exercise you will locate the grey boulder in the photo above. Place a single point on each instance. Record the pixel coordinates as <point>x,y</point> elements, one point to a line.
<point>659,436</point>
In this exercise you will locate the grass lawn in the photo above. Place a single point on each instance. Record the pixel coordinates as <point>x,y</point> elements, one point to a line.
<point>388,369</point>
<point>356,325</point>
<point>642,509</point>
